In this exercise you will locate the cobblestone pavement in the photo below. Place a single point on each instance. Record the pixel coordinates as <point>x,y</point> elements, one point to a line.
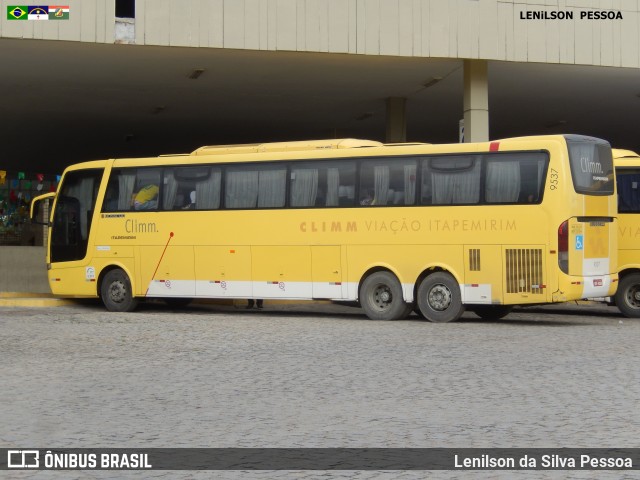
<point>316,376</point>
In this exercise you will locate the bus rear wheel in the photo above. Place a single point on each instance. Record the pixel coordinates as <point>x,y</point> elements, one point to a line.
<point>381,297</point>
<point>628,295</point>
<point>116,292</point>
<point>439,298</point>
<point>491,312</point>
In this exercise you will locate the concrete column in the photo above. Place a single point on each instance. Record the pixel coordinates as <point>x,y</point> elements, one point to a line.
<point>396,120</point>
<point>476,101</point>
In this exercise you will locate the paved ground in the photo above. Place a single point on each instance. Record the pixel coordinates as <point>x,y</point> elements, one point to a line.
<point>316,376</point>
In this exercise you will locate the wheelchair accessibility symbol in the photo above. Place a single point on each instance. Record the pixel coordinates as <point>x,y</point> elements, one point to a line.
<point>579,242</point>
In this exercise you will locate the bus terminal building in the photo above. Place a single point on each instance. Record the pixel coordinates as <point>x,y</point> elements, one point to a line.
<point>110,78</point>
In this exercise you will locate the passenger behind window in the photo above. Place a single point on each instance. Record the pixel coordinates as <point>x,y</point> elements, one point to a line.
<point>192,202</point>
<point>146,198</point>
<point>111,198</point>
<point>366,198</point>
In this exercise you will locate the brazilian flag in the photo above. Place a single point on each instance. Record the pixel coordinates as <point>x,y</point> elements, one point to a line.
<point>17,12</point>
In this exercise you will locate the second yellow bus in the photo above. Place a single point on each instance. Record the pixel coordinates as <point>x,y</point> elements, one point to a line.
<point>627,165</point>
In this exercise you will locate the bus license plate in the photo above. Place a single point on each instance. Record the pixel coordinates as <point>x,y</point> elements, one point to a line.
<point>597,282</point>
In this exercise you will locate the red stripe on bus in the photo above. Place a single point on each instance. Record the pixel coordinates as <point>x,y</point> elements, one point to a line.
<point>158,265</point>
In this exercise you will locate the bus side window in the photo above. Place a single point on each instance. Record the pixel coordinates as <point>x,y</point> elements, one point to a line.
<point>322,184</point>
<point>452,180</point>
<point>390,181</point>
<point>514,177</point>
<point>110,203</point>
<point>191,188</point>
<point>628,191</point>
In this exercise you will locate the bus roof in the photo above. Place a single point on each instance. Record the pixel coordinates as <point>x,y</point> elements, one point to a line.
<point>286,146</point>
<point>314,149</point>
<point>620,153</point>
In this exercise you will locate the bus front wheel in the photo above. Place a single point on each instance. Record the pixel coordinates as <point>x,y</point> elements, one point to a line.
<point>628,295</point>
<point>116,292</point>
<point>439,298</point>
<point>381,297</point>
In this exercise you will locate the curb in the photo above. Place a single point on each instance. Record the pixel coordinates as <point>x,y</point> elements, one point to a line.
<point>34,302</point>
<point>25,295</point>
<point>30,299</point>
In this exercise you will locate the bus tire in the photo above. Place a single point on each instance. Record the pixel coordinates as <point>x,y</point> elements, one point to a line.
<point>491,312</point>
<point>439,298</point>
<point>628,295</point>
<point>381,297</point>
<point>177,302</point>
<point>116,292</point>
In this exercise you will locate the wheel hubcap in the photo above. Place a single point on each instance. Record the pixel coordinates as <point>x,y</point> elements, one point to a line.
<point>117,292</point>
<point>382,297</point>
<point>439,297</point>
<point>633,296</point>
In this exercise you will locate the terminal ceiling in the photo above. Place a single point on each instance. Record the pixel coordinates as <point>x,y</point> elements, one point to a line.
<point>66,102</point>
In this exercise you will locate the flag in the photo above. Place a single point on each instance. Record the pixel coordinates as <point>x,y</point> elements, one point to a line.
<point>38,12</point>
<point>17,12</point>
<point>58,12</point>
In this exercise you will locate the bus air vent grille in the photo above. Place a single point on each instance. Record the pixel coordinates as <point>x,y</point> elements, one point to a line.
<point>524,270</point>
<point>474,259</point>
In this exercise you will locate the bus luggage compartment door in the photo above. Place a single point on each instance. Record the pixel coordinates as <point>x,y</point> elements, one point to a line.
<point>281,271</point>
<point>167,272</point>
<point>326,272</point>
<point>482,274</point>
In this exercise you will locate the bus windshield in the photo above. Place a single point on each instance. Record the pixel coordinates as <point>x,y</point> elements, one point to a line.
<point>591,165</point>
<point>73,214</point>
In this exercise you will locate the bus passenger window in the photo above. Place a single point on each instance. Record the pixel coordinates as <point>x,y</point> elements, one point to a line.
<point>451,180</point>
<point>628,190</point>
<point>304,186</point>
<point>322,184</point>
<point>502,181</point>
<point>132,189</point>
<point>110,203</point>
<point>388,181</point>
<point>192,188</point>
<point>257,187</point>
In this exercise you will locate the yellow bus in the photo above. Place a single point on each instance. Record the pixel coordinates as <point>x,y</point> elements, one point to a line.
<point>396,228</point>
<point>627,165</point>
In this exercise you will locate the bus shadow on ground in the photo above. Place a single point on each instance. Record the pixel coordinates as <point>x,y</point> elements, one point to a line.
<point>542,315</point>
<point>521,322</point>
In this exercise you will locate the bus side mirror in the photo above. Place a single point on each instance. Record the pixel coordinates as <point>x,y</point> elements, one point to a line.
<point>35,208</point>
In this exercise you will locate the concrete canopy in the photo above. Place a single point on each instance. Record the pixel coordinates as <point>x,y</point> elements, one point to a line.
<point>66,102</point>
